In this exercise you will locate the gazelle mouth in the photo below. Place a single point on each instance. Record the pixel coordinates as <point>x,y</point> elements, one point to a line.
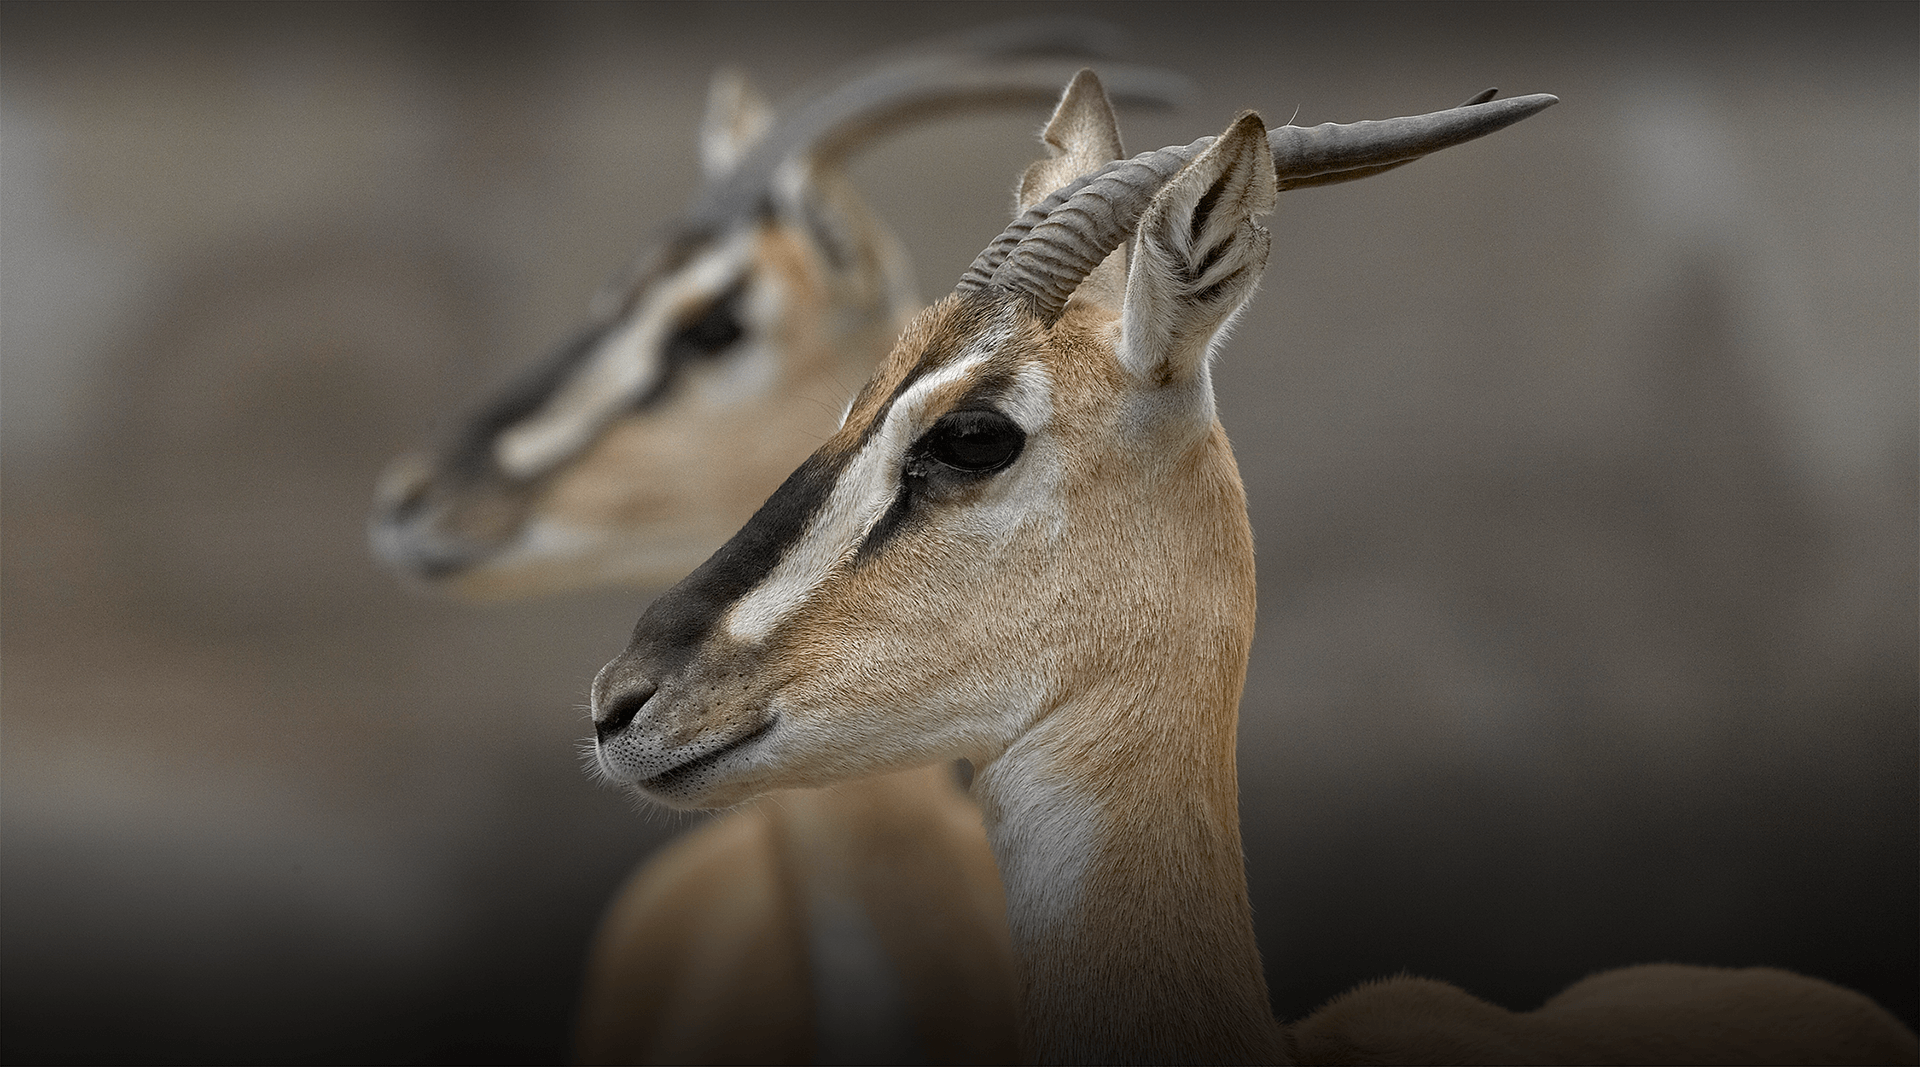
<point>670,781</point>
<point>415,549</point>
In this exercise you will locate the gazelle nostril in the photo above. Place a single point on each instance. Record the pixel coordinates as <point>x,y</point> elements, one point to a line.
<point>621,710</point>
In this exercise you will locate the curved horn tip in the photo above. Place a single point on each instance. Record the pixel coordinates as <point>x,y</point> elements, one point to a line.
<point>1036,36</point>
<point>1531,104</point>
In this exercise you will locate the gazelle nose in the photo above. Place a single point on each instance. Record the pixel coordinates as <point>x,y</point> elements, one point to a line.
<point>616,709</point>
<point>402,485</point>
<point>413,542</point>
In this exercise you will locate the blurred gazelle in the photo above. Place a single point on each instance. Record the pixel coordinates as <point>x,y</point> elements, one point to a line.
<point>864,922</point>
<point>1027,546</point>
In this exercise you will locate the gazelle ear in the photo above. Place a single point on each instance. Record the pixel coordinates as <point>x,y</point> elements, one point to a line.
<point>1197,256</point>
<point>737,117</point>
<point>818,201</point>
<point>1082,137</point>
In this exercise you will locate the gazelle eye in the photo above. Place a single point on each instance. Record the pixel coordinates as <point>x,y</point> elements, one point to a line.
<point>974,441</point>
<point>713,332</point>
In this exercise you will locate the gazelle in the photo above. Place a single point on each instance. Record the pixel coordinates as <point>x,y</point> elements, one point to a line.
<point>720,355</point>
<point>865,922</point>
<point>1027,546</point>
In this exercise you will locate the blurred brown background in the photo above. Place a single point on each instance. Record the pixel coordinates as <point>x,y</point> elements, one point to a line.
<point>1582,459</point>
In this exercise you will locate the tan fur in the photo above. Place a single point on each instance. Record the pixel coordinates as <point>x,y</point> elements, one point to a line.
<point>1088,651</point>
<point>713,922</point>
<point>659,491</point>
<point>655,491</point>
<point>650,493</point>
<point>706,910</point>
<point>858,689</point>
<point>923,875</point>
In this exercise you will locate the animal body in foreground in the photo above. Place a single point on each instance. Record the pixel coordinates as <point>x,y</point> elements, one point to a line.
<point>1027,546</point>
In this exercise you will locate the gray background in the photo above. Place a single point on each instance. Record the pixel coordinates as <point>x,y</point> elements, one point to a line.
<point>1582,460</point>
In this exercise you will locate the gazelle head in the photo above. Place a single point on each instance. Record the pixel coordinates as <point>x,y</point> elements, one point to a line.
<point>722,355</point>
<point>1031,500</point>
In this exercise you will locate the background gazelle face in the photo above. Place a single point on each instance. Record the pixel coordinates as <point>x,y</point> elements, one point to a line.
<point>1018,511</point>
<point>732,343</point>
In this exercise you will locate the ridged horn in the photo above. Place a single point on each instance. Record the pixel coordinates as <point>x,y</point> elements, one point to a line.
<point>1049,250</point>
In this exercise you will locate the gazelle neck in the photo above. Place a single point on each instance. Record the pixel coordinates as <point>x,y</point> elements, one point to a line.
<point>1126,897</point>
<point>1115,822</point>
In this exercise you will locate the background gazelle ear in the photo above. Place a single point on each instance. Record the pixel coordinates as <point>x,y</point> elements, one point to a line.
<point>1198,256</point>
<point>737,117</point>
<point>1082,137</point>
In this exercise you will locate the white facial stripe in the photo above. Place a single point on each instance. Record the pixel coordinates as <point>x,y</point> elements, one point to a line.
<point>860,497</point>
<point>1029,403</point>
<point>623,368</point>
<point>627,363</point>
<point>545,539</point>
<point>550,546</point>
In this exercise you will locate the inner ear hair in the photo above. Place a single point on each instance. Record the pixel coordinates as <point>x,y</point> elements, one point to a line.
<point>1199,255</point>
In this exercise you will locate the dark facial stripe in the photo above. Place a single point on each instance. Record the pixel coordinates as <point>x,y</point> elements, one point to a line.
<point>675,624</point>
<point>894,519</point>
<point>702,336</point>
<point>675,247</point>
<point>709,332</point>
<point>685,615</point>
<point>471,454</point>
